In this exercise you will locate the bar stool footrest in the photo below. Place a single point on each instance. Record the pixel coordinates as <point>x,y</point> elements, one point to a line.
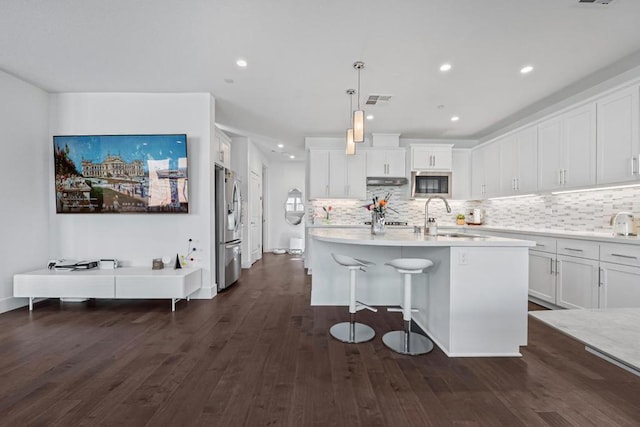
<point>363,306</point>
<point>398,309</point>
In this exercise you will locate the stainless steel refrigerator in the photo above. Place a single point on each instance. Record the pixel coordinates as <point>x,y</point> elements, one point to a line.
<point>228,228</point>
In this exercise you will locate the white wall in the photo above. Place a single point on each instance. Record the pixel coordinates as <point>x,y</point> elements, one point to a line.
<point>283,176</point>
<point>25,181</point>
<point>138,238</point>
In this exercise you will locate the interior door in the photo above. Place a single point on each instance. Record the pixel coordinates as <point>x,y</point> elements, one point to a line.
<point>255,226</point>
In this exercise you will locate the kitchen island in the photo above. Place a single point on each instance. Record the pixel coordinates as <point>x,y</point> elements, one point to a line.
<point>472,302</point>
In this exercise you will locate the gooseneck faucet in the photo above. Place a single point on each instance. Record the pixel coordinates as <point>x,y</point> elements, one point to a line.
<point>426,208</point>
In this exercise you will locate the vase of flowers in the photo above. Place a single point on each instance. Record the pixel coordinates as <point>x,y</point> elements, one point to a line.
<point>378,211</point>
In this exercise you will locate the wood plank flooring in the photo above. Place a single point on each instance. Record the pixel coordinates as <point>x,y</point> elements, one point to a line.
<point>259,355</point>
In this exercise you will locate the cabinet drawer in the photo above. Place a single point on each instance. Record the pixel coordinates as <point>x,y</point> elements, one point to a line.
<point>150,287</point>
<point>543,243</point>
<point>63,285</point>
<point>620,254</point>
<point>578,248</point>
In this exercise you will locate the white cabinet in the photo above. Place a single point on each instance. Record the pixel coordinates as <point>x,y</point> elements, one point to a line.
<point>567,150</point>
<point>222,149</point>
<point>333,174</point>
<point>542,276</point>
<point>518,162</point>
<point>577,285</point>
<point>619,275</point>
<point>618,146</point>
<point>485,171</point>
<point>386,162</point>
<point>461,174</point>
<point>431,157</point>
<point>318,174</point>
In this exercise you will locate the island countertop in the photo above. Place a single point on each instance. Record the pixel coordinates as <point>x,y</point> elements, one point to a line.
<point>406,237</point>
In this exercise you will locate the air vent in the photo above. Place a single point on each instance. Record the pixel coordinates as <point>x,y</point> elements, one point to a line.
<point>378,99</point>
<point>596,1</point>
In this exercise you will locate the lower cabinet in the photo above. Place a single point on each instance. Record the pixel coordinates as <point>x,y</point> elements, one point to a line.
<point>619,286</point>
<point>577,284</point>
<point>542,276</point>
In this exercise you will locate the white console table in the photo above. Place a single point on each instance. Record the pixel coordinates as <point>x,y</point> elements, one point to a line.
<point>126,283</point>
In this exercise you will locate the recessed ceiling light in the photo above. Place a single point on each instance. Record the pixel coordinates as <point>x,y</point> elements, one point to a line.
<point>455,118</point>
<point>280,145</point>
<point>370,117</point>
<point>241,63</point>
<point>445,67</point>
<point>292,156</point>
<point>526,69</point>
<point>228,81</point>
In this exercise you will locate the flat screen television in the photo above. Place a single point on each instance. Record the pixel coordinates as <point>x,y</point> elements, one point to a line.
<point>121,173</point>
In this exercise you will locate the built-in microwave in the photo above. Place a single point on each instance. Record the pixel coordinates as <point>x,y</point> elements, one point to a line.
<point>427,184</point>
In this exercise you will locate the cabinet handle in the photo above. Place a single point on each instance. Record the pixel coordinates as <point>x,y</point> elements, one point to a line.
<point>540,244</point>
<point>557,267</point>
<point>564,176</point>
<point>625,256</point>
<point>551,265</point>
<point>517,183</point>
<point>600,275</point>
<point>574,250</point>
<point>633,166</point>
<point>559,176</point>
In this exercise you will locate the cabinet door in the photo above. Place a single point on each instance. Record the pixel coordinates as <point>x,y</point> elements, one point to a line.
<point>549,154</point>
<point>396,163</point>
<point>542,277</point>
<point>492,170</point>
<point>527,160</point>
<point>579,151</point>
<point>577,282</point>
<point>318,174</point>
<point>337,173</point>
<point>617,130</point>
<point>376,163</point>
<point>461,177</point>
<point>477,173</point>
<point>356,176</point>
<point>619,286</point>
<point>508,165</point>
<point>421,158</point>
<point>441,158</point>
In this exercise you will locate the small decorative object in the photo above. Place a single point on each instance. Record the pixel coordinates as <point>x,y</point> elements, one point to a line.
<point>178,263</point>
<point>378,210</point>
<point>327,210</point>
<point>157,264</point>
<point>460,219</point>
<point>432,227</point>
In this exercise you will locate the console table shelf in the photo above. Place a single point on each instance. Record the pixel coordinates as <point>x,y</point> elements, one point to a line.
<point>124,283</point>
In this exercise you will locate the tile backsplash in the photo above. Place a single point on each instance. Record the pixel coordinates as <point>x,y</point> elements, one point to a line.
<point>581,211</point>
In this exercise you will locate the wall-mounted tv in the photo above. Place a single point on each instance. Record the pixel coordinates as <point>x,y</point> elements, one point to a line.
<point>121,173</point>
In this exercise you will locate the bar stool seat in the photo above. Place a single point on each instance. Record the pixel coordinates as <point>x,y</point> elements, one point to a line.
<point>352,331</point>
<point>405,341</point>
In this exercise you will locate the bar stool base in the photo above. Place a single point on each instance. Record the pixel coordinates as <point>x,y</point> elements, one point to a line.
<point>362,332</point>
<point>418,344</point>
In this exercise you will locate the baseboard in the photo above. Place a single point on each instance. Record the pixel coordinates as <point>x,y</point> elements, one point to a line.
<point>11,303</point>
<point>205,292</point>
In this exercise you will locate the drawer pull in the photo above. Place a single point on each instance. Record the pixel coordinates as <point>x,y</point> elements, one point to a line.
<point>572,249</point>
<point>540,244</point>
<point>625,256</point>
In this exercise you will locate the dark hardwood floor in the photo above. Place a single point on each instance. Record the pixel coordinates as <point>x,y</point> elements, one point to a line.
<point>259,355</point>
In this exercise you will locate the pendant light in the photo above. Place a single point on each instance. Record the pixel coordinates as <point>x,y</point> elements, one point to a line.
<point>351,146</point>
<point>358,115</point>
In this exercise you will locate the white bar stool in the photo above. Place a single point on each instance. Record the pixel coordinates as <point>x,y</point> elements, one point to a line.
<point>405,341</point>
<point>351,331</point>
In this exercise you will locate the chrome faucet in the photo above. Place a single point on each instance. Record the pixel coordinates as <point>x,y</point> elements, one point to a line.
<point>426,208</point>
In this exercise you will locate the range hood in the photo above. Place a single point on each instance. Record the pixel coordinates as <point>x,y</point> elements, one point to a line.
<point>386,180</point>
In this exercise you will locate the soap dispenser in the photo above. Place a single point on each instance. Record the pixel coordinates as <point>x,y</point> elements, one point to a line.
<point>432,227</point>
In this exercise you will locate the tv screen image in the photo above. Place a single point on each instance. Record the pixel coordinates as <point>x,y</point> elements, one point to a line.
<point>121,173</point>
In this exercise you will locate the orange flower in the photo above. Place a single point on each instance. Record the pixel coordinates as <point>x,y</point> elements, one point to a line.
<point>383,202</point>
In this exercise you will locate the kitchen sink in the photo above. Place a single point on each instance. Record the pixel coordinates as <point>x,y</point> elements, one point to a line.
<point>462,236</point>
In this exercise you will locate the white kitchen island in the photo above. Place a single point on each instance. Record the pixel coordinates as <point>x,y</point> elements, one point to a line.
<point>472,302</point>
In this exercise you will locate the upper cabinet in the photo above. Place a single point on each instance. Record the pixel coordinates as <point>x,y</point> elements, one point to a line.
<point>567,150</point>
<point>618,147</point>
<point>518,162</point>
<point>222,149</point>
<point>431,157</point>
<point>333,174</point>
<point>386,162</point>
<point>485,171</point>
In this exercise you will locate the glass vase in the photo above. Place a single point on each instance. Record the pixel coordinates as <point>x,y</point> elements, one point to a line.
<point>377,223</point>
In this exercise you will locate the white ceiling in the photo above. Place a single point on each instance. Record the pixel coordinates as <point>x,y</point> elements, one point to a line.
<point>300,56</point>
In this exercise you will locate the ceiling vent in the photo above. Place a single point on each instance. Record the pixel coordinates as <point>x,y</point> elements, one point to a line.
<point>378,99</point>
<point>596,1</point>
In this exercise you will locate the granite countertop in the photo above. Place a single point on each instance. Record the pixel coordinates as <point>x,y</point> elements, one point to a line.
<point>614,333</point>
<point>580,235</point>
<point>404,237</point>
